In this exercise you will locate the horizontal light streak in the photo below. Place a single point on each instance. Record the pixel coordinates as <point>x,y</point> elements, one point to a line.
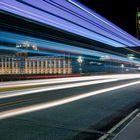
<point>70,79</point>
<point>37,107</point>
<point>89,20</point>
<point>14,38</point>
<point>48,81</point>
<point>65,86</point>
<point>56,22</point>
<point>97,16</point>
<point>38,15</point>
<point>66,80</point>
<point>50,88</point>
<point>69,19</point>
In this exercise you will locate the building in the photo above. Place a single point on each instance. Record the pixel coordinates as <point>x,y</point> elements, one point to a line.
<point>13,65</point>
<point>22,64</point>
<point>138,23</point>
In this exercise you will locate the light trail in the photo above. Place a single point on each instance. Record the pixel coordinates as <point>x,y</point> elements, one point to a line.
<point>97,16</point>
<point>50,88</point>
<point>51,81</point>
<point>32,108</point>
<point>64,80</point>
<point>104,31</point>
<point>14,38</point>
<point>97,80</point>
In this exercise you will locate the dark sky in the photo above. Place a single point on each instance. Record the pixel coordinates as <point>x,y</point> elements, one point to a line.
<point>121,14</point>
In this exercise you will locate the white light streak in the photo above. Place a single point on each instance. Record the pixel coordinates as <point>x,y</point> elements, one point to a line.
<point>50,88</point>
<point>64,80</point>
<point>32,108</point>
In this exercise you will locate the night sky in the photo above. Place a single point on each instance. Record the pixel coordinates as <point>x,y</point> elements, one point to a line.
<point>121,14</point>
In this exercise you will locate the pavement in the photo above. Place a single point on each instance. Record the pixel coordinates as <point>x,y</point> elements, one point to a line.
<point>131,131</point>
<point>72,113</point>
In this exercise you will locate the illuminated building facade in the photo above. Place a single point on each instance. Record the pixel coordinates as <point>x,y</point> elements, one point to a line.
<point>138,23</point>
<point>12,65</point>
<point>22,63</point>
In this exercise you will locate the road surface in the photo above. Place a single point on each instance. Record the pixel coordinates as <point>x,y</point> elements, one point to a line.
<point>78,110</point>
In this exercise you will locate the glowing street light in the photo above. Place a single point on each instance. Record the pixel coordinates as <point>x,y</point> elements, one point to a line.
<point>122,66</point>
<point>80,60</point>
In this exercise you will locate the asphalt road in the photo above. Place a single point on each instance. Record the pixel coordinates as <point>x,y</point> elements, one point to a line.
<point>84,118</point>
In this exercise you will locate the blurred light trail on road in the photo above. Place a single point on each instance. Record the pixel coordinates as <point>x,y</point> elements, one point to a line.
<point>64,80</point>
<point>50,88</point>
<point>31,108</point>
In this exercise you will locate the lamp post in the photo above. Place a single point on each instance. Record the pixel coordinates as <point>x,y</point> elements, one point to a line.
<point>80,60</point>
<point>122,66</point>
<point>131,57</point>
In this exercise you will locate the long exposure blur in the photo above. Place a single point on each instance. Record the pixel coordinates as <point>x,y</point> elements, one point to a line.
<point>66,72</point>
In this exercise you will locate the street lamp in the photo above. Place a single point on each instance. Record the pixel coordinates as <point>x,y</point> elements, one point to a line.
<point>80,61</point>
<point>122,66</point>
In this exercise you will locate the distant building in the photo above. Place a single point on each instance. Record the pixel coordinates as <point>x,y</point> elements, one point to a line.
<point>138,23</point>
<point>21,63</point>
<point>12,65</point>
